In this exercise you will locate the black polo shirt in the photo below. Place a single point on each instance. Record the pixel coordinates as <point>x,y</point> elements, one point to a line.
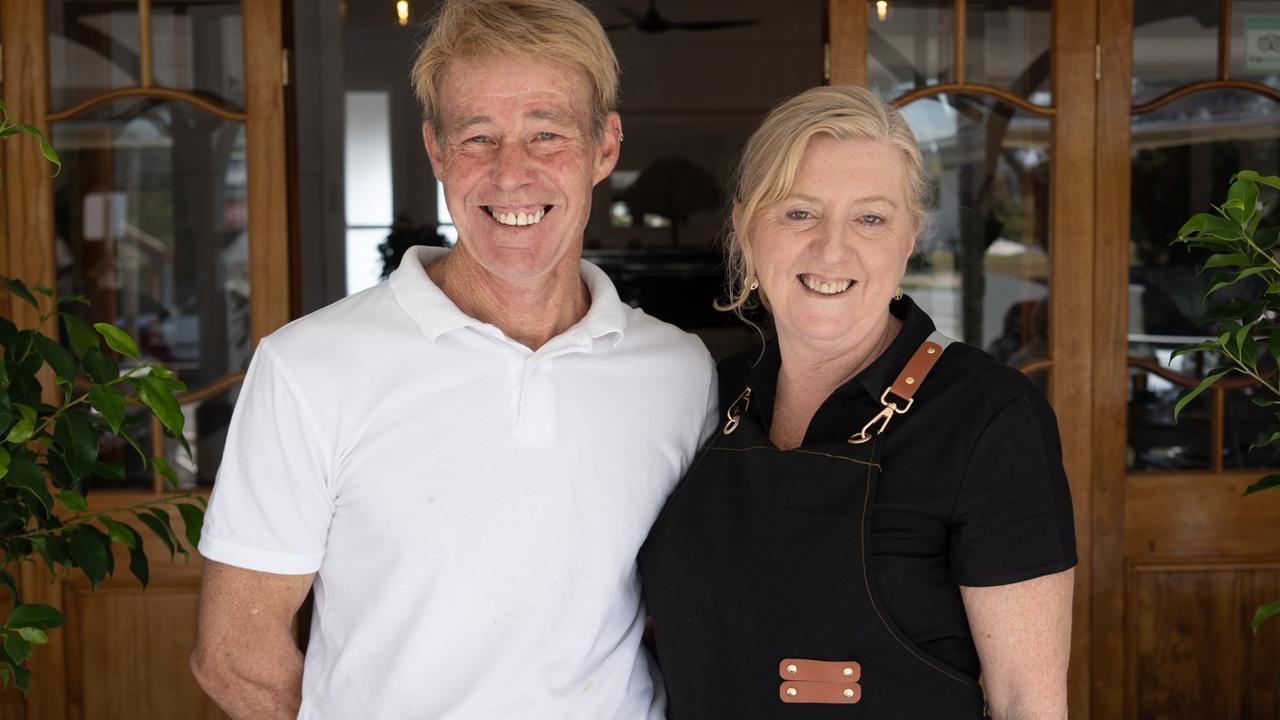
<point>972,490</point>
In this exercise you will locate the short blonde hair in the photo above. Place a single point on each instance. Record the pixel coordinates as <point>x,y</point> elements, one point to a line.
<point>771,158</point>
<point>561,31</point>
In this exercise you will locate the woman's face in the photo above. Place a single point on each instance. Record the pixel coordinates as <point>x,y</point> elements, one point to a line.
<point>830,255</point>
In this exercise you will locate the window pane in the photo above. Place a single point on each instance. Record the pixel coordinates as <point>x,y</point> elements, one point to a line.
<point>1175,42</point>
<point>368,159</point>
<point>910,45</point>
<point>197,46</point>
<point>1183,157</point>
<point>364,260</point>
<point>983,272</point>
<point>151,221</point>
<point>93,47</point>
<point>1007,45</point>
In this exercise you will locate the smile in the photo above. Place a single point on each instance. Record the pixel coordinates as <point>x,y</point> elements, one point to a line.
<point>518,218</point>
<point>825,287</point>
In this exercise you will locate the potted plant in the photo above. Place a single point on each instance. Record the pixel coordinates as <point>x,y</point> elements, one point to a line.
<point>56,406</point>
<point>1248,329</point>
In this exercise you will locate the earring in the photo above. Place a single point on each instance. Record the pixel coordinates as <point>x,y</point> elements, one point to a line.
<point>897,294</point>
<point>754,285</point>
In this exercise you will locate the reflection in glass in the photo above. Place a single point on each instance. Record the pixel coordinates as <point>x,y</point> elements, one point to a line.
<point>1007,46</point>
<point>982,273</point>
<point>1183,156</point>
<point>197,46</point>
<point>93,47</point>
<point>1255,41</point>
<point>150,220</point>
<point>1156,441</point>
<point>912,46</point>
<point>1244,423</point>
<point>1175,42</point>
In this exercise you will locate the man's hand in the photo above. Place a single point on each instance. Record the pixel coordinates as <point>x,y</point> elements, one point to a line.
<point>245,656</point>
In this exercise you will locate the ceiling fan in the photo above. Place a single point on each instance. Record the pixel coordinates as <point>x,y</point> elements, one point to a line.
<point>651,22</point>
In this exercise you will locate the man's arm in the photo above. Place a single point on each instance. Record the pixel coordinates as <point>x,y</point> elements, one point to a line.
<point>245,656</point>
<point>1023,635</point>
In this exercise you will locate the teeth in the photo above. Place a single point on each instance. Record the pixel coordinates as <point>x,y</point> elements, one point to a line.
<point>519,219</point>
<point>822,287</point>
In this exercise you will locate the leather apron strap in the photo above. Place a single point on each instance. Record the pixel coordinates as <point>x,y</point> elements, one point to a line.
<point>900,395</point>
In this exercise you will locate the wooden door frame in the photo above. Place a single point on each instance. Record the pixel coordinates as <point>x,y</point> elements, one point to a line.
<point>26,233</point>
<point>1073,265</point>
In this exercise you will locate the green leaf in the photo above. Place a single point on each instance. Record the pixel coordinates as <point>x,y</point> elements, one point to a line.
<point>88,554</point>
<point>73,501</point>
<point>162,467</point>
<point>19,288</point>
<point>110,471</point>
<point>119,532</point>
<point>1225,260</point>
<point>160,529</point>
<point>26,475</point>
<point>117,339</point>
<point>4,462</point>
<point>1252,176</point>
<point>77,439</point>
<point>21,678</point>
<point>1188,349</point>
<point>1243,197</point>
<point>45,291</point>
<point>4,375</point>
<point>35,616</point>
<point>1266,483</point>
<point>24,427</point>
<point>138,558</point>
<point>100,367</point>
<point>163,518</point>
<point>156,395</point>
<point>33,636</point>
<point>80,333</point>
<point>1192,394</point>
<point>16,647</point>
<point>110,403</point>
<point>1207,230</point>
<point>7,581</point>
<point>193,519</point>
<point>1264,613</point>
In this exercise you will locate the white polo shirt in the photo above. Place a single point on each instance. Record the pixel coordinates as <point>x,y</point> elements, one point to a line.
<point>472,508</point>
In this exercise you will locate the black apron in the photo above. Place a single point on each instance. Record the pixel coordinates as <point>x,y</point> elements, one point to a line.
<point>759,556</point>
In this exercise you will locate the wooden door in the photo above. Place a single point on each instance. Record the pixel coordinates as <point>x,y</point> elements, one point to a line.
<point>170,214</point>
<point>1179,559</point>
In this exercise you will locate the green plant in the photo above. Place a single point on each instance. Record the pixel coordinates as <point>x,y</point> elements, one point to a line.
<point>1248,327</point>
<point>50,448</point>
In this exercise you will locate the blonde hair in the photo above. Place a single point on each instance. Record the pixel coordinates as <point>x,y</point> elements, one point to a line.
<point>769,162</point>
<point>561,31</point>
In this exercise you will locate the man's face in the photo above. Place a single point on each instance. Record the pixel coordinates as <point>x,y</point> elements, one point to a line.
<point>518,159</point>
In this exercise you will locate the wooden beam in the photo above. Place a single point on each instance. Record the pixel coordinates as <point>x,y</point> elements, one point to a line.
<point>268,174</point>
<point>847,24</point>
<point>1111,349</point>
<point>1072,297</point>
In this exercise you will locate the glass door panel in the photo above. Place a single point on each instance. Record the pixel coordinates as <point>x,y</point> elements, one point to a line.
<point>151,226</point>
<point>198,47</point>
<point>1175,42</point>
<point>910,45</point>
<point>1007,46</point>
<point>93,48</point>
<point>982,272</point>
<point>1183,156</point>
<point>1255,41</point>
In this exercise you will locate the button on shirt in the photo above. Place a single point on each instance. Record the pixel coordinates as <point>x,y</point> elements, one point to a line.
<point>472,508</point>
<point>971,491</point>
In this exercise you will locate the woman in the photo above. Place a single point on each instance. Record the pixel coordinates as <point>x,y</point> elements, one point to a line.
<point>882,516</point>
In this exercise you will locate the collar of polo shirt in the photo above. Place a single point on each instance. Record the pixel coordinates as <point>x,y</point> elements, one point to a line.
<point>435,314</point>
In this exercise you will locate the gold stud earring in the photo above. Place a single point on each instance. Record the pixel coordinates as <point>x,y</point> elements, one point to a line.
<point>897,293</point>
<point>755,284</point>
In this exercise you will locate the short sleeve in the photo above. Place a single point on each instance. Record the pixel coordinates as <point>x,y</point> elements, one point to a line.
<point>271,506</point>
<point>1013,519</point>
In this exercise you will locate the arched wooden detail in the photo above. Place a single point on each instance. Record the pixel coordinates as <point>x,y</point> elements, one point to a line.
<point>149,92</point>
<point>1185,90</point>
<point>975,89</point>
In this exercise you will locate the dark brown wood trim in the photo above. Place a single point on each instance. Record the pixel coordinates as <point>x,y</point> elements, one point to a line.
<point>1185,90</point>
<point>976,89</point>
<point>160,92</point>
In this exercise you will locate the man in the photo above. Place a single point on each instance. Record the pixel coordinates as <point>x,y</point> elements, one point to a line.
<point>465,459</point>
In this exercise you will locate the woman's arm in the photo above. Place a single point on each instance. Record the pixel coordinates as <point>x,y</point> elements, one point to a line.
<point>1023,635</point>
